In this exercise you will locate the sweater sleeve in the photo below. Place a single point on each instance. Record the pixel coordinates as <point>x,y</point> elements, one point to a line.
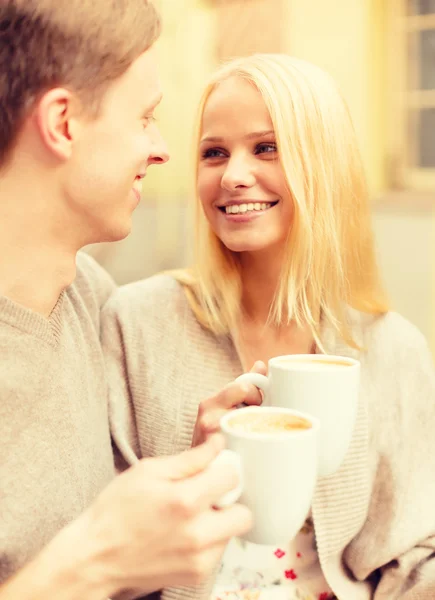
<point>412,575</point>
<point>121,408</point>
<point>402,513</point>
<point>98,281</point>
<point>135,329</point>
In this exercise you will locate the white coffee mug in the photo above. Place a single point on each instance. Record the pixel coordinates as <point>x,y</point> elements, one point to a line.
<point>279,474</point>
<point>323,386</point>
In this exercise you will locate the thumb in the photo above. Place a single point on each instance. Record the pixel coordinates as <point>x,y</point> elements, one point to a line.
<point>192,461</point>
<point>259,367</point>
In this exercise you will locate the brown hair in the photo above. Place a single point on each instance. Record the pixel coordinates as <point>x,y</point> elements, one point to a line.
<point>81,44</point>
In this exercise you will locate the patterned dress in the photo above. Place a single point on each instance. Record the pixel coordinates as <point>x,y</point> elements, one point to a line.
<point>252,572</point>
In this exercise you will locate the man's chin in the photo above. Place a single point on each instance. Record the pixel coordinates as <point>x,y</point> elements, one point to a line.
<point>115,232</point>
<point>119,234</point>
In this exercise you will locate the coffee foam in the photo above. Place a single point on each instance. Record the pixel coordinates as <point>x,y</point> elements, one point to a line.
<point>267,423</point>
<point>306,363</point>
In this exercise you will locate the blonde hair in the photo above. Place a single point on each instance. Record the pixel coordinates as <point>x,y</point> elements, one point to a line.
<point>80,44</point>
<point>330,260</point>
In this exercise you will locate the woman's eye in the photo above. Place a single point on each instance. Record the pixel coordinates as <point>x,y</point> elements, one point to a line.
<point>265,148</point>
<point>212,153</point>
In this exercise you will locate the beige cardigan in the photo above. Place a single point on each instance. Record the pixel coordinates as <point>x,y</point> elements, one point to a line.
<point>375,518</point>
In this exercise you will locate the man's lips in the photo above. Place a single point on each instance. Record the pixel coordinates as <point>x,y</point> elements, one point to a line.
<point>137,186</point>
<point>137,194</point>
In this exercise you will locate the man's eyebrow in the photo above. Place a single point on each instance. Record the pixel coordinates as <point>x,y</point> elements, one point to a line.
<point>249,136</point>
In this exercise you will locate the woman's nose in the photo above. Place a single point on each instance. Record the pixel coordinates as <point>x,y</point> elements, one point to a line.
<point>238,174</point>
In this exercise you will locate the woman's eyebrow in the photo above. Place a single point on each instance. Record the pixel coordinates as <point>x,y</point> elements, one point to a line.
<point>249,136</point>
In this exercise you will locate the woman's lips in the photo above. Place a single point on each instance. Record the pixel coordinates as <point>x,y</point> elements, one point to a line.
<point>247,214</point>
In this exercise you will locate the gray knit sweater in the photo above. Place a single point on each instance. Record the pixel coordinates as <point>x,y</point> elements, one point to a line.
<point>55,446</point>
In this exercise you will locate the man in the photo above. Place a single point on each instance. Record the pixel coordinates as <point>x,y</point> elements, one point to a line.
<point>78,87</point>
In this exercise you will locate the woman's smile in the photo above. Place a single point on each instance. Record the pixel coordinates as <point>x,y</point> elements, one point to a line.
<point>243,212</point>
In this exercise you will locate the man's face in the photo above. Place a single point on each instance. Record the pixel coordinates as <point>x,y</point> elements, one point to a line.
<point>111,154</point>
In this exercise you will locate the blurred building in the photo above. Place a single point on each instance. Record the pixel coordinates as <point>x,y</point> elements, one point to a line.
<point>382,54</point>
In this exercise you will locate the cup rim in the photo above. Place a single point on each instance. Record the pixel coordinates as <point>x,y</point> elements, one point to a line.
<point>313,358</point>
<point>315,424</point>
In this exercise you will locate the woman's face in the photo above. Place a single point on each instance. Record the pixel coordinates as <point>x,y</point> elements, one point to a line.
<point>241,183</point>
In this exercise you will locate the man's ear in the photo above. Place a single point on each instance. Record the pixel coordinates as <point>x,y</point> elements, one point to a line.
<point>54,116</point>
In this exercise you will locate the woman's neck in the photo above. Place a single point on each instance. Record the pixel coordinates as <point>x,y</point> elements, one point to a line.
<point>256,339</point>
<point>260,279</point>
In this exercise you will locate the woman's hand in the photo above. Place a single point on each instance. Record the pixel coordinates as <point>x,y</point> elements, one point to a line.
<point>211,411</point>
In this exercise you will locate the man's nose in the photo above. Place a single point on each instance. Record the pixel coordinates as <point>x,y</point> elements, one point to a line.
<point>159,153</point>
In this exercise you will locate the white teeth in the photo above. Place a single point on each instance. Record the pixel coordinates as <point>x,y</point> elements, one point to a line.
<point>242,208</point>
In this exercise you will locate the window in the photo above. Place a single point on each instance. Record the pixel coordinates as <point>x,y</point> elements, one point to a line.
<point>412,67</point>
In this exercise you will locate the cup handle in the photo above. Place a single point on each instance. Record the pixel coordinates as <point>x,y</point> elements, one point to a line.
<point>229,458</point>
<point>260,381</point>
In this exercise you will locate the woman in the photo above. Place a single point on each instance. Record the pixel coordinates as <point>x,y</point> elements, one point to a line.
<point>285,264</point>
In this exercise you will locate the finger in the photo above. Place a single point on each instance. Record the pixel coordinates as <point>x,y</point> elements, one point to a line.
<point>234,394</point>
<point>259,367</point>
<point>208,487</point>
<point>190,462</point>
<point>218,526</point>
<point>197,568</point>
<point>210,423</point>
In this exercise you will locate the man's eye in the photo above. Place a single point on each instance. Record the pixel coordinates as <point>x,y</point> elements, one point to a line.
<point>265,148</point>
<point>212,153</point>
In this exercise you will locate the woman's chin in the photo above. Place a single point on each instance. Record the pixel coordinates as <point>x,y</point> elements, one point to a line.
<point>244,246</point>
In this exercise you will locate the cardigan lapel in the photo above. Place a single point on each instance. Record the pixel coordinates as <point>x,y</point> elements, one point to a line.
<point>341,500</point>
<point>209,364</point>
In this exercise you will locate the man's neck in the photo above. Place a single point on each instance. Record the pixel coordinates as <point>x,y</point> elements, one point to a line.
<point>37,249</point>
<point>35,277</point>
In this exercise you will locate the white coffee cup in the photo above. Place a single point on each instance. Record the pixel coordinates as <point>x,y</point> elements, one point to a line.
<point>279,473</point>
<point>320,385</point>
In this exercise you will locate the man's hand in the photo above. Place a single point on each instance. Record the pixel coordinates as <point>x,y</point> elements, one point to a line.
<point>211,411</point>
<point>154,526</point>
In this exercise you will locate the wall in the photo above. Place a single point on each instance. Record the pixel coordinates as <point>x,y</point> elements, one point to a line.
<point>345,38</point>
